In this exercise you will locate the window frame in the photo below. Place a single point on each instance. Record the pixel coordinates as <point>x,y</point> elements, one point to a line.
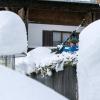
<point>51,42</point>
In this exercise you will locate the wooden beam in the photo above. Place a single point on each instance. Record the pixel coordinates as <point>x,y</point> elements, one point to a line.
<point>6,8</point>
<point>21,13</point>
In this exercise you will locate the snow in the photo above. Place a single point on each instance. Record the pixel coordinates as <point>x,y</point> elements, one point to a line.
<point>13,38</point>
<point>14,86</point>
<point>88,69</point>
<point>41,59</point>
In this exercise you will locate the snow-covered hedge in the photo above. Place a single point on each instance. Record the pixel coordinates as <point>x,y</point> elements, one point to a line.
<point>41,60</point>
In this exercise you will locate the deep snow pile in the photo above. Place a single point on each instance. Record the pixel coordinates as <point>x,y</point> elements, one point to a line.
<point>88,69</point>
<point>14,86</point>
<point>41,60</point>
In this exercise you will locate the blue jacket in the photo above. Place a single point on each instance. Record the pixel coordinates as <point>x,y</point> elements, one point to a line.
<point>70,49</point>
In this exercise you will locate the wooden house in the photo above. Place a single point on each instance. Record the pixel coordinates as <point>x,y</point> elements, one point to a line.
<point>47,23</point>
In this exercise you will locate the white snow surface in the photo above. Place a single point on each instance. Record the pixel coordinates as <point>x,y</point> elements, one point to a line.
<point>42,57</point>
<point>14,86</point>
<point>13,38</point>
<point>88,69</point>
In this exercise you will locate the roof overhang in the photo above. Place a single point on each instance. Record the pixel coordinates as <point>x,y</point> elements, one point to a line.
<point>30,3</point>
<point>50,4</point>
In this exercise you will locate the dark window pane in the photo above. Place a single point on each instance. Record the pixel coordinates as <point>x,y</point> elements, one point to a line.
<point>56,38</point>
<point>47,38</point>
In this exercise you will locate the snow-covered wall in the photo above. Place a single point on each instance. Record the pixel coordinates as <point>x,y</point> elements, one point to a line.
<point>35,32</point>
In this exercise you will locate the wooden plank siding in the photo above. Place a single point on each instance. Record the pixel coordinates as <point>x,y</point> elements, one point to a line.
<point>55,17</point>
<point>53,12</point>
<point>64,82</point>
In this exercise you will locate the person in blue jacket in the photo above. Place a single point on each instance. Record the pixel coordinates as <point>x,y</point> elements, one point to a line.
<point>71,46</point>
<point>66,47</point>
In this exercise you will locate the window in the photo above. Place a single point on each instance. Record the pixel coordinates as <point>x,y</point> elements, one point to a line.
<point>60,37</point>
<point>54,38</point>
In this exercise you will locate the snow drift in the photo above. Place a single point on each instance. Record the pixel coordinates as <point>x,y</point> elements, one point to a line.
<point>88,69</point>
<point>14,86</point>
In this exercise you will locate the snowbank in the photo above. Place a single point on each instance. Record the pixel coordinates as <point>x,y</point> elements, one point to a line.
<point>88,69</point>
<point>42,60</point>
<point>14,86</point>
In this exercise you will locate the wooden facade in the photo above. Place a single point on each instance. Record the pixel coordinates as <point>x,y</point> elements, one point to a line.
<point>53,12</point>
<point>63,13</point>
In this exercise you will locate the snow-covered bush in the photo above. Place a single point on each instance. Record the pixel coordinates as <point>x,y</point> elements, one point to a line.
<point>42,61</point>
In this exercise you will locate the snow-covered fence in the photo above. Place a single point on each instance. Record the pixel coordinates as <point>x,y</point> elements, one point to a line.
<point>64,82</point>
<point>57,71</point>
<point>8,61</point>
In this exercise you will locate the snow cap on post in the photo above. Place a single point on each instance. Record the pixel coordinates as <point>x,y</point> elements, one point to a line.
<point>13,37</point>
<point>88,67</point>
